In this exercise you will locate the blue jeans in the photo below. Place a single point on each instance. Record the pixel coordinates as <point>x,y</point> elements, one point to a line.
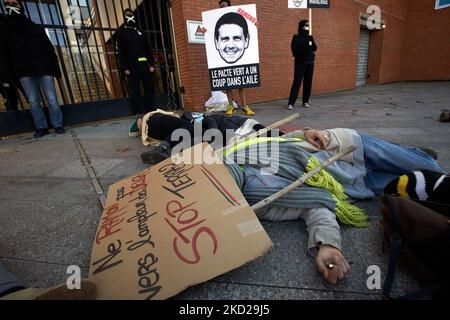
<point>386,161</point>
<point>47,84</point>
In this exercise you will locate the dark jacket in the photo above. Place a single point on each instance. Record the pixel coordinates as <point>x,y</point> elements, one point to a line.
<point>301,49</point>
<point>132,44</point>
<point>26,50</point>
<point>222,122</point>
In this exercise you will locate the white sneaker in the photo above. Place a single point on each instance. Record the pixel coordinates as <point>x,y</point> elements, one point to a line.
<point>306,105</point>
<point>290,107</point>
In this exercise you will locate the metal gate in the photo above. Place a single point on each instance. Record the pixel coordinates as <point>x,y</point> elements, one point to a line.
<point>363,58</point>
<point>83,34</point>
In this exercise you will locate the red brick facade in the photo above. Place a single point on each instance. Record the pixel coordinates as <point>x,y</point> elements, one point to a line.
<point>414,46</point>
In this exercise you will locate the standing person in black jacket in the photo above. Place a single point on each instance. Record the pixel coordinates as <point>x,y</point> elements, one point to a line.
<point>136,60</point>
<point>303,49</point>
<point>27,53</point>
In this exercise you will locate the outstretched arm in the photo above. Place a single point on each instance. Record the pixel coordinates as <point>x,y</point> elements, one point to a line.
<point>324,241</point>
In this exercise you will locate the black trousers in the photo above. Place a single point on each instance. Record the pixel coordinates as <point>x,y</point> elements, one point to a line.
<point>303,72</point>
<point>141,104</point>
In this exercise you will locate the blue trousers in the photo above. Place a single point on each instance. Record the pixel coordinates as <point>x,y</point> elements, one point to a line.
<point>386,161</point>
<point>47,84</point>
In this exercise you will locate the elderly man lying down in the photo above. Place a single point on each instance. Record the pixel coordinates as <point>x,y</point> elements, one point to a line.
<point>264,166</point>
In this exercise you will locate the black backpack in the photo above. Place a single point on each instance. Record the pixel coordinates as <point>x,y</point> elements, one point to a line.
<point>419,234</point>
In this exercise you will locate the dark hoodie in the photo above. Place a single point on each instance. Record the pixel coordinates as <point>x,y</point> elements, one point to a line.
<point>300,47</point>
<point>26,49</point>
<point>132,44</point>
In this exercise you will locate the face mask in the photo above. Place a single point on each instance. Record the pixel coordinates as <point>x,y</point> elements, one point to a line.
<point>13,9</point>
<point>130,19</point>
<point>306,28</point>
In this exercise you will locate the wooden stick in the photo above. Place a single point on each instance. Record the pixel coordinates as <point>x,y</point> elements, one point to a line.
<point>302,180</point>
<point>310,25</point>
<point>262,131</point>
<point>310,22</point>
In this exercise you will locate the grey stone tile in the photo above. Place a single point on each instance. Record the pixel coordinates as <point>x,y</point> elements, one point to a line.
<point>228,291</point>
<point>39,189</point>
<point>36,274</point>
<point>51,232</point>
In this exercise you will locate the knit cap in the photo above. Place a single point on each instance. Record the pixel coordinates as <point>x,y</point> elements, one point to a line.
<point>421,185</point>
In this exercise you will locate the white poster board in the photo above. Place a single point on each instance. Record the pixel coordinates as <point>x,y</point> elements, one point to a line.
<point>311,4</point>
<point>232,47</point>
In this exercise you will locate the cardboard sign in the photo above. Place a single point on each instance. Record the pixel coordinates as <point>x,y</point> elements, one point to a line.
<point>173,226</point>
<point>305,4</point>
<point>232,47</point>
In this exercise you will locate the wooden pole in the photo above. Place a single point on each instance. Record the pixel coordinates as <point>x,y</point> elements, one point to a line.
<point>310,24</point>
<point>302,180</point>
<point>262,131</point>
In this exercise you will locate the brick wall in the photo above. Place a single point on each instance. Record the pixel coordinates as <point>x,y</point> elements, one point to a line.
<point>427,49</point>
<point>336,31</point>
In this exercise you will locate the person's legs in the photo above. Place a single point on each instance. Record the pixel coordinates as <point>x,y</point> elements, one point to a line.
<point>47,84</point>
<point>9,283</point>
<point>386,161</point>
<point>243,97</point>
<point>31,88</point>
<point>246,109</point>
<point>307,83</point>
<point>230,108</point>
<point>298,75</point>
<point>147,83</point>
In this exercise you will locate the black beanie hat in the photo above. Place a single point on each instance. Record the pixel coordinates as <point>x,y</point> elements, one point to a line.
<point>421,185</point>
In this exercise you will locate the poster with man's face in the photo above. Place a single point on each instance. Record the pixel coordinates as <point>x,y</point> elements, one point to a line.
<point>232,51</point>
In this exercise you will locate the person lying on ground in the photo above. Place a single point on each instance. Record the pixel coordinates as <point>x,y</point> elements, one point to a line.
<point>324,198</point>
<point>161,125</point>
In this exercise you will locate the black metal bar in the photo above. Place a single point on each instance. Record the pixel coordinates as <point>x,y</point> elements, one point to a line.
<point>115,11</point>
<point>147,26</point>
<point>99,20</point>
<point>61,58</point>
<point>104,42</point>
<point>81,58</point>
<point>122,87</point>
<point>137,14</point>
<point>86,35</point>
<point>153,26</point>
<point>69,47</point>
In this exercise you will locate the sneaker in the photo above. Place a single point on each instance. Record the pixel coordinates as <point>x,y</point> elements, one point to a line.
<point>290,107</point>
<point>306,105</point>
<point>60,130</point>
<point>40,133</point>
<point>156,154</point>
<point>248,111</point>
<point>134,130</point>
<point>230,110</point>
<point>88,291</point>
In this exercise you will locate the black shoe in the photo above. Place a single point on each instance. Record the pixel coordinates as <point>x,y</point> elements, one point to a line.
<point>60,130</point>
<point>156,154</point>
<point>429,152</point>
<point>40,133</point>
